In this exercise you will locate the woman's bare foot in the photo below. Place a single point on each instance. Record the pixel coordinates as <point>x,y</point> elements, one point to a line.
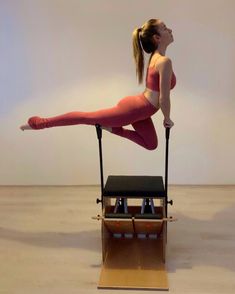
<point>26,127</point>
<point>107,129</point>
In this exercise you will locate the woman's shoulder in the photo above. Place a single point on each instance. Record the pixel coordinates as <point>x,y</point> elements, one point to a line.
<point>160,61</point>
<point>164,64</point>
<point>164,60</point>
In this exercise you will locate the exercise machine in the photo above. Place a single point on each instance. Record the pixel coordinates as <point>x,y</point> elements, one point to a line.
<point>134,236</point>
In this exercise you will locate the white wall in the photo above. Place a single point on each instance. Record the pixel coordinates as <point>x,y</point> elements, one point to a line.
<point>63,55</point>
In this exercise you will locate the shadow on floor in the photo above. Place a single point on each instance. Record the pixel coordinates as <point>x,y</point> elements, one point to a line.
<point>191,242</point>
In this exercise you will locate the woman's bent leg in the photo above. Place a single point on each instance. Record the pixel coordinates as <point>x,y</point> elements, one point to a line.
<point>144,134</point>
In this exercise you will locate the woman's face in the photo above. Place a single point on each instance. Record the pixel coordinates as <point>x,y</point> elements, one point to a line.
<point>165,33</point>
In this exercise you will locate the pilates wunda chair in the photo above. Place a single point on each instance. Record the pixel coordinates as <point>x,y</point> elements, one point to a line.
<point>133,237</point>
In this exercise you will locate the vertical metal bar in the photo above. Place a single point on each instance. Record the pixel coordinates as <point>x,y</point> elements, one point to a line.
<point>166,167</point>
<point>117,204</point>
<point>125,205</point>
<point>99,136</point>
<point>143,206</point>
<point>152,205</point>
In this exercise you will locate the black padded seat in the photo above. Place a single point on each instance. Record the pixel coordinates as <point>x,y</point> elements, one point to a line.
<point>135,186</point>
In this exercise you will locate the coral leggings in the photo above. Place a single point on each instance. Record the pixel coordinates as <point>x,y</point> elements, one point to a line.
<point>134,110</point>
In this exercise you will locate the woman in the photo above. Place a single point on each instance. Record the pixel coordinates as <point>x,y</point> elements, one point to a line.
<point>153,37</point>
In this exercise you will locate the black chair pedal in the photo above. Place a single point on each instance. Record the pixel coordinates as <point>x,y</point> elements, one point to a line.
<point>148,216</point>
<point>118,215</point>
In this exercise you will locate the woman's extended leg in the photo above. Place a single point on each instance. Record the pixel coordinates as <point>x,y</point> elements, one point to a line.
<point>135,110</point>
<point>144,134</point>
<point>128,110</point>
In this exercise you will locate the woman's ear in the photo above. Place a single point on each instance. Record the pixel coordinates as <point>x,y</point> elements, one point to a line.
<point>156,39</point>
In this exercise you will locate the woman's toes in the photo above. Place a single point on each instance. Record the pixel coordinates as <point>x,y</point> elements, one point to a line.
<point>25,127</point>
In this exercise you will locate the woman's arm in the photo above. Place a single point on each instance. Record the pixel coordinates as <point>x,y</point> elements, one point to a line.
<point>165,72</point>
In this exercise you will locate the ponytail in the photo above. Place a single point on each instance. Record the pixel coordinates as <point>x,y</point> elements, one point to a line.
<point>138,55</point>
<point>142,39</point>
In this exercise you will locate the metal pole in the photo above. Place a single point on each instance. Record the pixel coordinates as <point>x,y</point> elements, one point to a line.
<point>99,136</point>
<point>166,166</point>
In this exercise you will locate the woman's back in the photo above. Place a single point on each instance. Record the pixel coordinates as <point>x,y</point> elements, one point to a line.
<point>153,76</point>
<point>152,91</point>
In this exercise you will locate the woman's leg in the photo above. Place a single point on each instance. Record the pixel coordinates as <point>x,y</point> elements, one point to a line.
<point>135,110</point>
<point>128,110</point>
<point>144,134</point>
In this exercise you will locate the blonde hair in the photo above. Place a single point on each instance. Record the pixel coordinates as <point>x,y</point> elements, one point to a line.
<point>142,38</point>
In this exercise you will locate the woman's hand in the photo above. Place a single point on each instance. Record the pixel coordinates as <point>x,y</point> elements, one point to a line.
<point>168,123</point>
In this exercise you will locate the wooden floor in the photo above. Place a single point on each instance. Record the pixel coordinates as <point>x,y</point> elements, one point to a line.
<point>50,244</point>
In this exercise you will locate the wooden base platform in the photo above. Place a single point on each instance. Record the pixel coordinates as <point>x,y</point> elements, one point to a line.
<point>133,264</point>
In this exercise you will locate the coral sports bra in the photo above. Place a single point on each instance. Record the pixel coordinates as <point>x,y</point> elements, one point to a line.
<point>153,79</point>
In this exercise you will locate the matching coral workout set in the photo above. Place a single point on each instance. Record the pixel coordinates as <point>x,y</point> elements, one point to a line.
<point>134,110</point>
